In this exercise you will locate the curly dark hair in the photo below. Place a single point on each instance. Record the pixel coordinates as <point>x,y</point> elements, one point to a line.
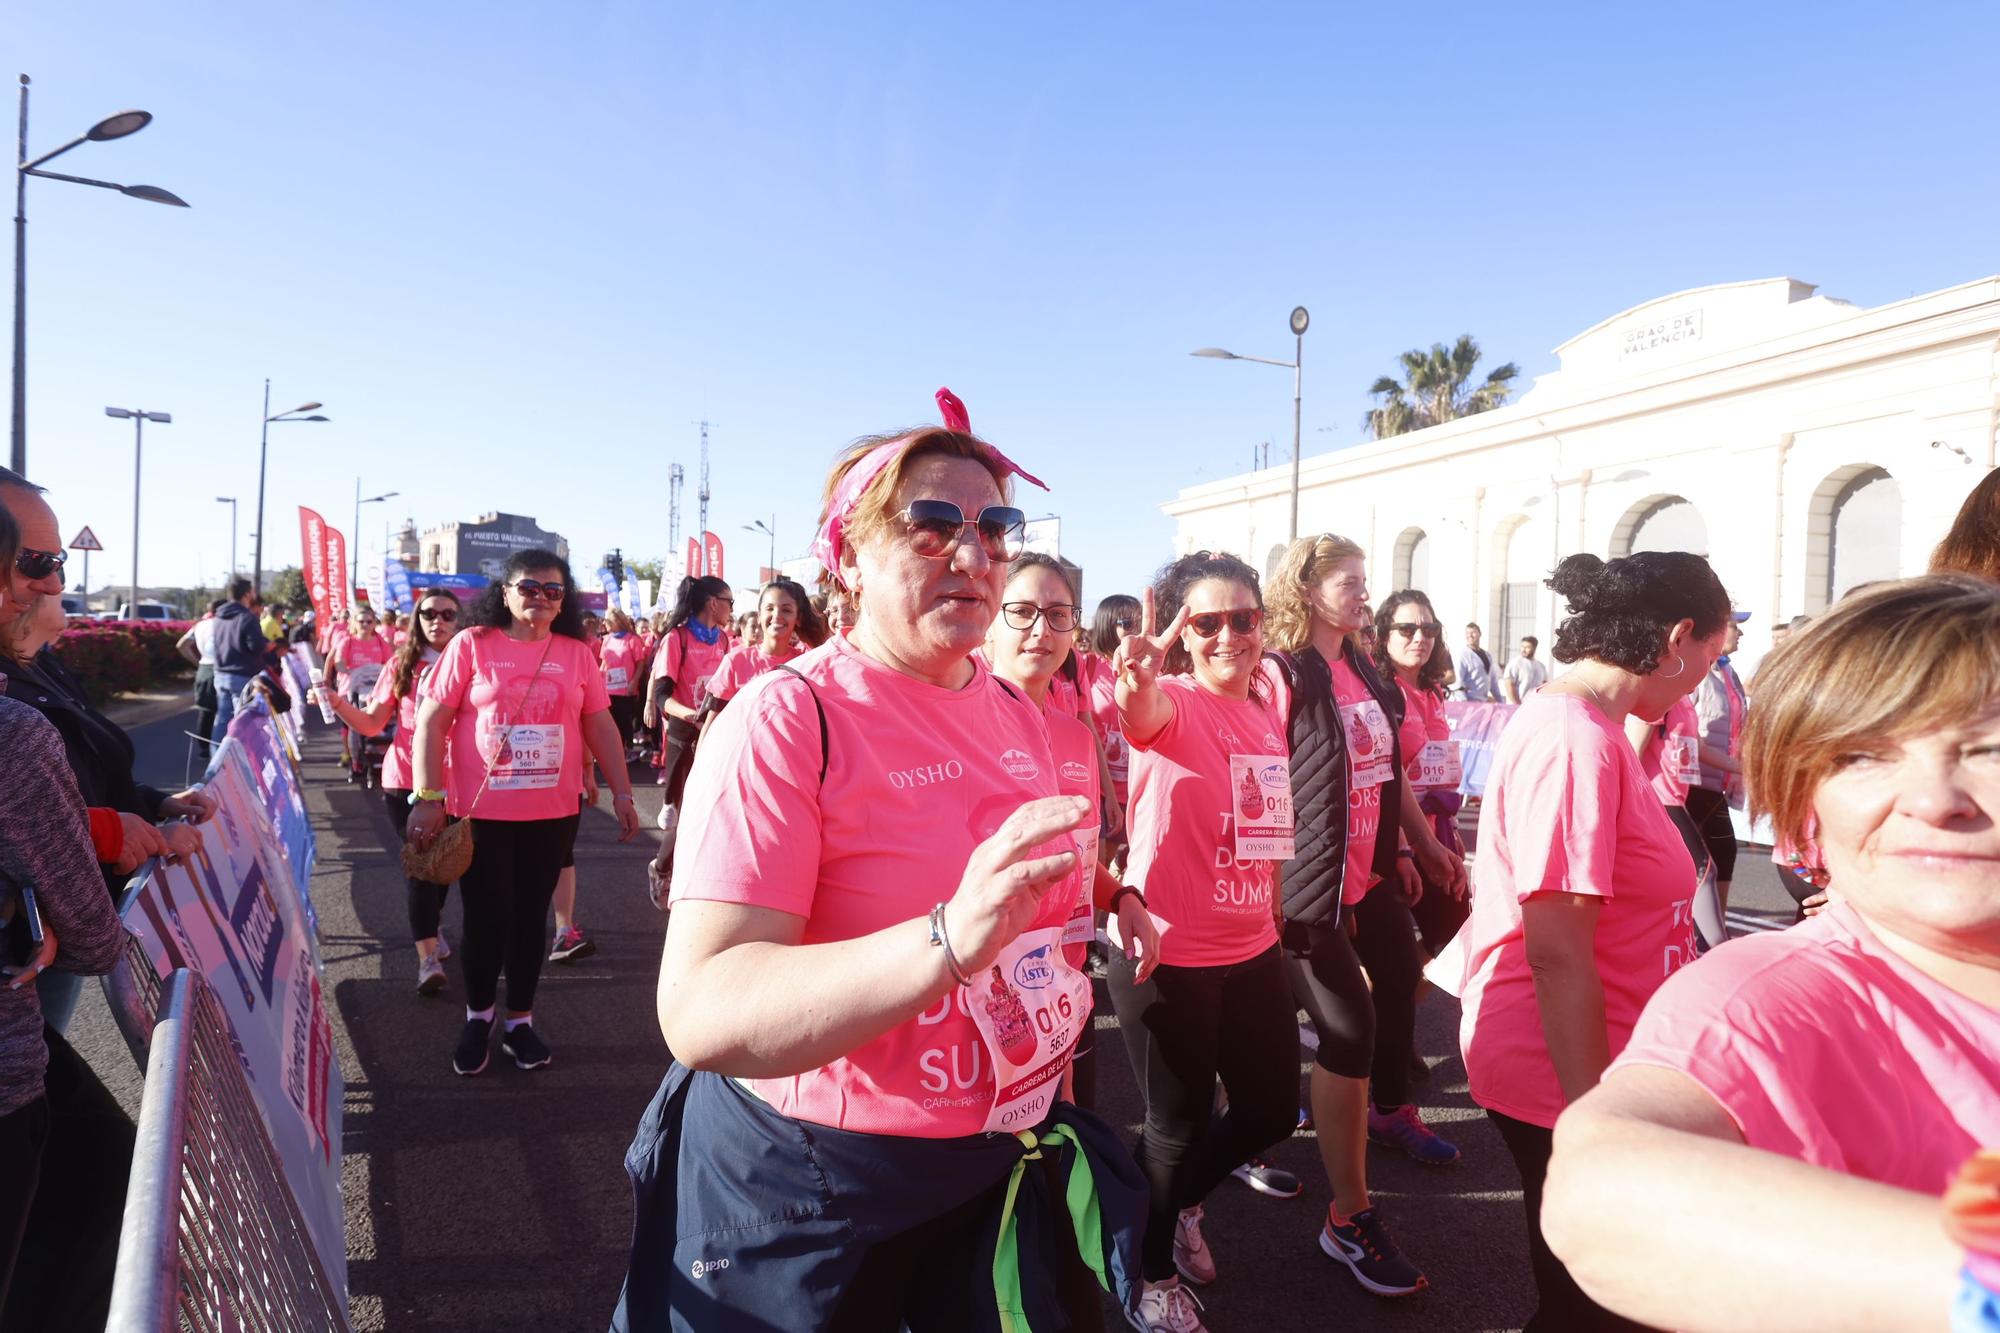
<point>1620,612</point>
<point>1170,590</point>
<point>1104,628</point>
<point>810,627</point>
<point>490,611</point>
<point>1430,676</point>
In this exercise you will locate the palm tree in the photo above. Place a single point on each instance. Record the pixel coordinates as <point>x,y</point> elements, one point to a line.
<point>1436,387</point>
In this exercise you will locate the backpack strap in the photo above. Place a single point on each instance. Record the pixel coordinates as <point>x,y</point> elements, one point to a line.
<point>824,749</point>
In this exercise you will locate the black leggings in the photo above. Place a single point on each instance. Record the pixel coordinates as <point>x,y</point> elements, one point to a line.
<point>1561,1306</point>
<point>426,899</point>
<point>1183,1028</point>
<point>506,893</point>
<point>23,1135</point>
<point>1709,809</point>
<point>625,713</point>
<point>1361,1034</point>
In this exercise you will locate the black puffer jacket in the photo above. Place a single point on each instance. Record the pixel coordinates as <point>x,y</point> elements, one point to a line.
<point>1313,877</point>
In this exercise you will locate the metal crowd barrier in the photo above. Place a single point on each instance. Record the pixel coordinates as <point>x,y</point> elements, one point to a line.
<point>213,1239</point>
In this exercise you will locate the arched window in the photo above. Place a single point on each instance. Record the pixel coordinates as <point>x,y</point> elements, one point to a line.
<point>1523,547</point>
<point>1272,561</point>
<point>1660,523</point>
<point>1865,542</point>
<point>1412,567</point>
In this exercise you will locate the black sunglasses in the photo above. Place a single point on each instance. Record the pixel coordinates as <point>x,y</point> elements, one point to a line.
<point>1209,623</point>
<point>39,564</point>
<point>444,613</point>
<point>936,527</point>
<point>1409,629</point>
<point>531,589</point>
<point>1022,615</point>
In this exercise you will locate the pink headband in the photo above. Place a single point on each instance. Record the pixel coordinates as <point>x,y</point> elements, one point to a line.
<point>827,545</point>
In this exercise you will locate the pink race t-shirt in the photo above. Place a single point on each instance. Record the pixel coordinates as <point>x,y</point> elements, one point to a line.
<point>740,666</point>
<point>1182,827</point>
<point>1075,751</point>
<point>1824,1045</point>
<point>1423,722</point>
<point>494,683</point>
<point>917,776</point>
<point>1567,810</point>
<point>1104,711</point>
<point>619,655</point>
<point>688,663</point>
<point>398,766</point>
<point>1371,762</point>
<point>1672,762</point>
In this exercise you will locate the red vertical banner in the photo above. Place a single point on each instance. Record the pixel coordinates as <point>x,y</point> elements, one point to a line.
<point>336,575</point>
<point>711,555</point>
<point>313,543</point>
<point>694,569</point>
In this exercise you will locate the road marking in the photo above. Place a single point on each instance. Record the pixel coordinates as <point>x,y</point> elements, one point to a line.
<point>1745,922</point>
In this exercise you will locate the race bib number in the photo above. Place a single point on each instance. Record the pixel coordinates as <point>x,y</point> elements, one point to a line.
<point>1371,745</point>
<point>1030,1008</point>
<point>1683,760</point>
<point>1438,764</point>
<point>533,759</point>
<point>616,679</point>
<point>1262,789</point>
<point>1081,927</point>
<point>1117,755</point>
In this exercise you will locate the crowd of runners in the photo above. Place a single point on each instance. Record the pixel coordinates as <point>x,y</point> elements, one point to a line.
<point>909,816</point>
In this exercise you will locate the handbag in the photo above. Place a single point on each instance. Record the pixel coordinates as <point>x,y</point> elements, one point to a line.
<point>449,854</point>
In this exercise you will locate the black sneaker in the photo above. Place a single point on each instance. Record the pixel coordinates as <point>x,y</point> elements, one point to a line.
<point>528,1050</point>
<point>1363,1244</point>
<point>472,1054</point>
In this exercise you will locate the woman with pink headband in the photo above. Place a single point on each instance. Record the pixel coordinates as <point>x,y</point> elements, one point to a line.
<point>863,984</point>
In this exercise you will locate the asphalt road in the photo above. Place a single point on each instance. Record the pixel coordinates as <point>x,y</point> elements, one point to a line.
<point>500,1202</point>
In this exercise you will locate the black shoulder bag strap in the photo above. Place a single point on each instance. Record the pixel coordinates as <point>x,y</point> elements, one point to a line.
<point>819,708</point>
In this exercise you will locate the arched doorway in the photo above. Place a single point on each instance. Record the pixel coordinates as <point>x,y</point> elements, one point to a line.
<point>1660,523</point>
<point>1855,535</point>
<point>1411,567</point>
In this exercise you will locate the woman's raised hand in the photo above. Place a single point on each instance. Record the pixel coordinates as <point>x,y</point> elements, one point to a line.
<point>1004,879</point>
<point>1141,657</point>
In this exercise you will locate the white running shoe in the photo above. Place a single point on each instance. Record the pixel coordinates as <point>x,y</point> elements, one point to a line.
<point>1167,1307</point>
<point>430,975</point>
<point>1191,1253</point>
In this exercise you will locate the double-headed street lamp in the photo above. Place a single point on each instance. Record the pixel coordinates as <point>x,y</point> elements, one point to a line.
<point>769,530</point>
<point>263,451</point>
<point>139,420</point>
<point>354,576</point>
<point>1299,321</point>
<point>111,127</point>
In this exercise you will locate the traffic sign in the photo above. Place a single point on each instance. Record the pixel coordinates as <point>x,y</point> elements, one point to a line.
<point>86,541</point>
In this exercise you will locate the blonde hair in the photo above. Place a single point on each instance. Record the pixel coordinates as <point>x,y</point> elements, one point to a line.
<point>1288,608</point>
<point>1893,659</point>
<point>617,621</point>
<point>871,512</point>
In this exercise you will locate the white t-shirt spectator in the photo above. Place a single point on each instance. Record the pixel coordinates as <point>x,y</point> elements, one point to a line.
<point>1526,675</point>
<point>1475,676</point>
<point>204,641</point>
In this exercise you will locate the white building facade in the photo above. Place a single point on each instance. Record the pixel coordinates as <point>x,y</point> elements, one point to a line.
<point>1801,443</point>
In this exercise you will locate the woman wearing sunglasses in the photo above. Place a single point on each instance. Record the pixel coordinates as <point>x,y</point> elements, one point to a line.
<point>1347,893</point>
<point>865,929</point>
<point>1208,770</point>
<point>1027,647</point>
<point>397,694</point>
<point>689,652</point>
<point>1410,651</point>
<point>519,698</point>
<point>352,671</point>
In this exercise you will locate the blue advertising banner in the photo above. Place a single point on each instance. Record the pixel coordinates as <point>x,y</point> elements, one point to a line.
<point>396,585</point>
<point>277,784</point>
<point>235,913</point>
<point>463,584</point>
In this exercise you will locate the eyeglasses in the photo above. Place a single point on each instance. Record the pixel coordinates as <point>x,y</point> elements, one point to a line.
<point>39,564</point>
<point>1209,623</point>
<point>724,598</point>
<point>444,613</point>
<point>531,589</point>
<point>1022,615</point>
<point>936,527</point>
<point>1410,629</point>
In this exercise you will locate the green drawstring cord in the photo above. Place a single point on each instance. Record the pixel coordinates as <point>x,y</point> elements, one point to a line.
<point>1079,1196</point>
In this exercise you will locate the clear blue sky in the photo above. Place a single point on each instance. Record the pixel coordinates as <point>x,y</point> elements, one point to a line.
<point>519,249</point>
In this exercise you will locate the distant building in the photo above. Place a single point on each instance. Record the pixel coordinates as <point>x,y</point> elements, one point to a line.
<point>483,545</point>
<point>406,548</point>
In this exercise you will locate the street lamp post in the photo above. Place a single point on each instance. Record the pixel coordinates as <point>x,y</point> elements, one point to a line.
<point>1300,319</point>
<point>263,452</point>
<point>139,419</point>
<point>354,576</point>
<point>111,127</point>
<point>769,530</point>
<point>230,500</point>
